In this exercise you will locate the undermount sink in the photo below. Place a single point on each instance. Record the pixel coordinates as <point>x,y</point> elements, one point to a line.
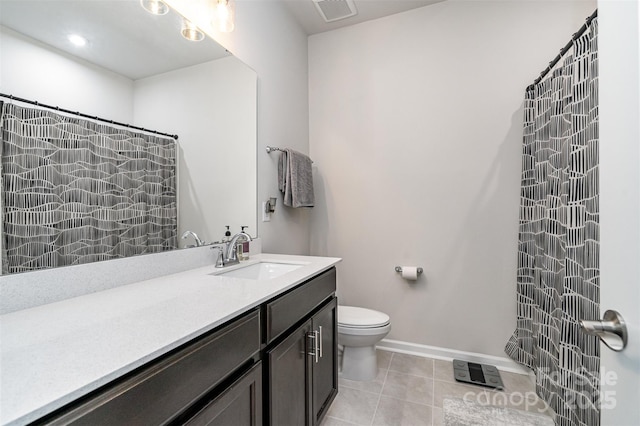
<point>261,271</point>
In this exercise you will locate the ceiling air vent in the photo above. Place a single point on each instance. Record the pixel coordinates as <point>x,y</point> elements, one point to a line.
<point>334,10</point>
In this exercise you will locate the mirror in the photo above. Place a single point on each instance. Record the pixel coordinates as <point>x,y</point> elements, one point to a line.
<point>137,68</point>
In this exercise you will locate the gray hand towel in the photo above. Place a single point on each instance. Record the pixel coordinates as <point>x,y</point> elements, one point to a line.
<point>298,180</point>
<point>282,171</point>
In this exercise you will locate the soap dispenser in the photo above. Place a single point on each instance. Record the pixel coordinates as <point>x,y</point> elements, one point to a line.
<point>245,246</point>
<point>227,235</point>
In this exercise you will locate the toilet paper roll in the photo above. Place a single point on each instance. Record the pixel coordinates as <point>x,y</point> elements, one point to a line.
<point>410,273</point>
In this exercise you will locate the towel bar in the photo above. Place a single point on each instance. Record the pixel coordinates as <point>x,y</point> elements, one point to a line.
<point>275,148</point>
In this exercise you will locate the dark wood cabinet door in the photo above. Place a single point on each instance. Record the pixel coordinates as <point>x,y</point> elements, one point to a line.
<point>325,371</point>
<point>239,405</point>
<point>288,377</point>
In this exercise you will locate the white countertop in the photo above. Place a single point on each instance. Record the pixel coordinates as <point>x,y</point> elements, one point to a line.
<point>52,354</point>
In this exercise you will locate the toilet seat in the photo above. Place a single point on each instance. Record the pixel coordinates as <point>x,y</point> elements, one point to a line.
<point>353,317</point>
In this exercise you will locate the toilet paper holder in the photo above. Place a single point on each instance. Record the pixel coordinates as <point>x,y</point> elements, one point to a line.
<point>399,269</point>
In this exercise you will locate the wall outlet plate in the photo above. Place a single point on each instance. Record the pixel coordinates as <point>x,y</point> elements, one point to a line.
<point>266,217</point>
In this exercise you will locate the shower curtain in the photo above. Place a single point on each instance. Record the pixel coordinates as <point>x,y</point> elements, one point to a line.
<point>75,191</point>
<point>558,249</point>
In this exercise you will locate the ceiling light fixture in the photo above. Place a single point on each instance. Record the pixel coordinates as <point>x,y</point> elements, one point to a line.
<point>77,40</point>
<point>190,31</point>
<point>224,15</point>
<point>157,7</point>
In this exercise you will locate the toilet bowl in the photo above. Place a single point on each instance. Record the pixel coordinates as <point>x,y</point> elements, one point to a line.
<point>359,330</point>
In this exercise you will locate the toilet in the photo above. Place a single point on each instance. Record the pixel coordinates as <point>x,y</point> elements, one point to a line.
<point>359,330</point>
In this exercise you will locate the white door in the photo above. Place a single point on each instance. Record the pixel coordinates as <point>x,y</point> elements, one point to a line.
<point>619,109</point>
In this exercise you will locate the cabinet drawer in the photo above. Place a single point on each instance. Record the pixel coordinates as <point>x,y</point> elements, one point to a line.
<point>287,310</point>
<point>164,389</point>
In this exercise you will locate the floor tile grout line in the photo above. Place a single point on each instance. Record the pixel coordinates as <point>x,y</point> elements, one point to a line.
<point>408,401</point>
<point>359,389</point>
<point>400,371</point>
<point>412,375</point>
<point>405,399</point>
<point>417,375</point>
<point>342,420</point>
<point>433,393</point>
<point>381,390</point>
<point>372,393</point>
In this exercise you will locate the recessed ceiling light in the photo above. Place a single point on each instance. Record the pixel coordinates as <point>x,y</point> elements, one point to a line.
<point>77,40</point>
<point>190,31</point>
<point>157,7</point>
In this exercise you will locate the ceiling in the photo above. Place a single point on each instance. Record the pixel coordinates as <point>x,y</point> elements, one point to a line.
<point>305,12</point>
<point>149,39</point>
<point>122,36</point>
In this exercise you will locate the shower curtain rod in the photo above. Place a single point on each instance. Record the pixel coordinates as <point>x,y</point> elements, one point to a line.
<point>93,117</point>
<point>564,50</point>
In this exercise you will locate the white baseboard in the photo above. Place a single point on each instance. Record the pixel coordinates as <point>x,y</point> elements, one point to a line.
<point>502,363</point>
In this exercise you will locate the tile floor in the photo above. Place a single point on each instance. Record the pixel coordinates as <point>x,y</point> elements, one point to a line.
<point>409,391</point>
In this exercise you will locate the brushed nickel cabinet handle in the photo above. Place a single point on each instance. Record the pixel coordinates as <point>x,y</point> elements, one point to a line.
<point>313,351</point>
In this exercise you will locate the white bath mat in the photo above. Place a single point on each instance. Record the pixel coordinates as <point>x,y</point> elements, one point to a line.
<point>458,412</point>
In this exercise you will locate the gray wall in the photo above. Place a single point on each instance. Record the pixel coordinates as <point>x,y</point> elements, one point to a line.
<point>415,128</point>
<point>268,40</point>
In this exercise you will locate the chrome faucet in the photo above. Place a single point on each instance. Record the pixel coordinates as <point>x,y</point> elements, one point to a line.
<point>228,255</point>
<point>199,242</point>
<point>231,256</point>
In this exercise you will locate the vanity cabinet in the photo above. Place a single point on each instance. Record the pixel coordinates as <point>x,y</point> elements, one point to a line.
<point>165,390</point>
<point>301,361</point>
<point>274,365</point>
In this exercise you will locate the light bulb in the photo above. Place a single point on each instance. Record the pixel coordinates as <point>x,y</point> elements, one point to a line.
<point>77,40</point>
<point>224,15</point>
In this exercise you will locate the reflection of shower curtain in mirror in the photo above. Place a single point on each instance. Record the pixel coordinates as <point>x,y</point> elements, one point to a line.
<point>75,191</point>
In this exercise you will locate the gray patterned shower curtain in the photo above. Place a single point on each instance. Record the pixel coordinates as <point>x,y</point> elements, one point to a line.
<point>75,191</point>
<point>558,250</point>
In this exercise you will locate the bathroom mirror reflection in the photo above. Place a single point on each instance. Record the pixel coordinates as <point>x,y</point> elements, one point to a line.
<point>137,68</point>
